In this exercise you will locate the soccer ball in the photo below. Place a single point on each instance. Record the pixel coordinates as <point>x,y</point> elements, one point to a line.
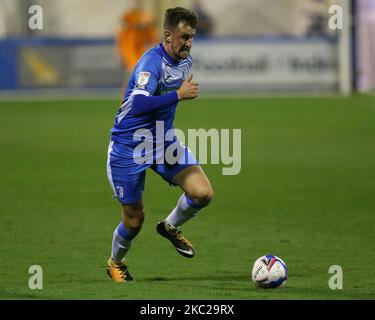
<point>269,272</point>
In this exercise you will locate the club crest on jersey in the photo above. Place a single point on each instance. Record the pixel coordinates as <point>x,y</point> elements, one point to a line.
<point>143,79</point>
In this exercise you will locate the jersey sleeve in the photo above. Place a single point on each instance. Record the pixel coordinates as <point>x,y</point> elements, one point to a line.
<point>147,75</point>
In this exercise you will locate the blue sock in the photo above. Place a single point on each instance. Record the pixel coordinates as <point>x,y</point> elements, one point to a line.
<point>121,242</point>
<point>185,210</point>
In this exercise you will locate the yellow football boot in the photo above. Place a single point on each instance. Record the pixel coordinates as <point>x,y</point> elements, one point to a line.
<point>118,272</point>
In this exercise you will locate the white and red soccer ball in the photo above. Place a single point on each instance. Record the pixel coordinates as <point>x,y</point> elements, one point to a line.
<point>269,272</point>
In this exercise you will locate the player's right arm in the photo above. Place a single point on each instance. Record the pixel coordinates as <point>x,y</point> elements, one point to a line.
<point>189,90</point>
<point>147,77</point>
<point>145,103</point>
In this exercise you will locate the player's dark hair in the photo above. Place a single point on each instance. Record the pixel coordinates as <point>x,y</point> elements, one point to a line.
<point>174,16</point>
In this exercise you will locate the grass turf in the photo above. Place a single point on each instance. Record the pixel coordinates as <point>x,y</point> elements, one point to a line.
<point>305,193</point>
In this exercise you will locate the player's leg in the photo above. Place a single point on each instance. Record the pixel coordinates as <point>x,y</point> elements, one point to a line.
<point>197,195</point>
<point>127,181</point>
<point>196,185</point>
<point>126,231</point>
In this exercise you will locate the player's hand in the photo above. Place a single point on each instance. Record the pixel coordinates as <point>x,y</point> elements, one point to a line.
<point>189,90</point>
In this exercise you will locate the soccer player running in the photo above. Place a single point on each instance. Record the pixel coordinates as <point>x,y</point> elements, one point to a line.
<point>158,82</point>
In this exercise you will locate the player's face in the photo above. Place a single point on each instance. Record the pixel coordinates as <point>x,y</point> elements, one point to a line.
<point>182,41</point>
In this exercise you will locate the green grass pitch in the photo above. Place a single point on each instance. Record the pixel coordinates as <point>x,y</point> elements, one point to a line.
<point>306,192</point>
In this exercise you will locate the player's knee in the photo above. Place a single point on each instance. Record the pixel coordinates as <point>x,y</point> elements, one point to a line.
<point>202,196</point>
<point>134,219</point>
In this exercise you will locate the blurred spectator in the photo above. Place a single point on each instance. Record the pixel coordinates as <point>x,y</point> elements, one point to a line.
<point>137,34</point>
<point>205,24</point>
<point>317,18</point>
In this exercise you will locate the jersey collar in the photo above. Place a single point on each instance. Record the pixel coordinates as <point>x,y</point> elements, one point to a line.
<point>167,56</point>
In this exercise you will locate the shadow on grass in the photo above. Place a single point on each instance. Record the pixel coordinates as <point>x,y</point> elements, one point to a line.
<point>214,277</point>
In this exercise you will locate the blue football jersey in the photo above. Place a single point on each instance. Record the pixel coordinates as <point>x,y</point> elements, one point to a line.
<point>156,73</point>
